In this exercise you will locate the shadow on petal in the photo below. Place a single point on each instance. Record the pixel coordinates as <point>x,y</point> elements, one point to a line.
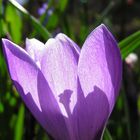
<point>90,114</point>
<point>114,64</point>
<point>28,100</point>
<point>54,120</point>
<point>86,122</point>
<point>65,100</point>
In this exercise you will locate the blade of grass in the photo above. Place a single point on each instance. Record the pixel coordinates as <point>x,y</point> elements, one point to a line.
<point>126,109</point>
<point>129,39</point>
<point>129,44</point>
<point>131,47</point>
<point>20,123</point>
<point>12,15</point>
<point>1,27</point>
<point>105,13</point>
<point>107,135</point>
<point>36,24</point>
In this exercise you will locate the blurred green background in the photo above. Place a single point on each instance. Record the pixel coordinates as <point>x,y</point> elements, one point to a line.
<point>75,18</point>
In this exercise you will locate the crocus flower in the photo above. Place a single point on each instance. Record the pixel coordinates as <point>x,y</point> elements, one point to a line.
<point>70,92</point>
<point>42,9</point>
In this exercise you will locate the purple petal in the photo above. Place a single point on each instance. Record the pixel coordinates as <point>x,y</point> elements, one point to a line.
<point>35,49</point>
<point>90,114</point>
<point>71,43</point>
<point>99,71</point>
<point>100,64</point>
<point>23,72</point>
<point>55,122</point>
<point>59,65</point>
<point>43,9</point>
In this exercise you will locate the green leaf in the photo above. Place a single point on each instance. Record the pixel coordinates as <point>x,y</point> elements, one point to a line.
<point>53,21</point>
<point>129,39</point>
<point>1,27</point>
<point>1,107</point>
<point>35,23</point>
<point>129,44</point>
<point>19,124</point>
<point>2,65</point>
<point>107,135</point>
<point>131,47</point>
<point>14,23</point>
<point>62,4</point>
